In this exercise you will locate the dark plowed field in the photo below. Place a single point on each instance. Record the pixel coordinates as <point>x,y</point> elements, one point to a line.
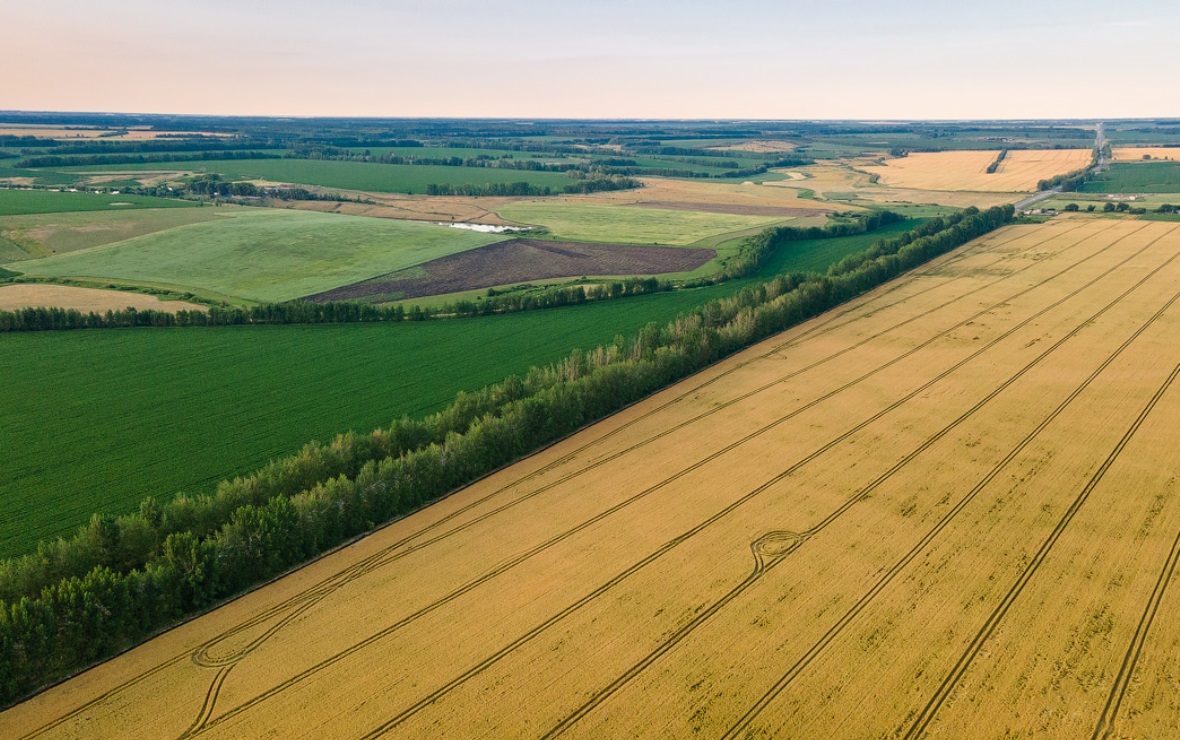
<point>518,261</point>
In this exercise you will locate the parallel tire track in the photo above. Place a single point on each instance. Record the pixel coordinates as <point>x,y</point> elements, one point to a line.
<point>837,629</point>
<point>479,668</point>
<point>1122,682</point>
<point>700,619</point>
<point>922,723</point>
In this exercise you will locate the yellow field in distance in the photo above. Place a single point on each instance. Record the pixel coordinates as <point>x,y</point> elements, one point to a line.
<point>967,170</point>
<point>838,183</point>
<point>948,507</point>
<point>13,297</point>
<point>1136,154</point>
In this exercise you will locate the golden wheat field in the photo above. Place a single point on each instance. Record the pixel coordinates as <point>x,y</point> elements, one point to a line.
<point>949,508</point>
<point>1136,154</point>
<point>967,170</point>
<point>846,183</point>
<point>85,299</point>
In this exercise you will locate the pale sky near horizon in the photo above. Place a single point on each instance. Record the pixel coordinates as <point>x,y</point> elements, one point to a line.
<point>605,59</point>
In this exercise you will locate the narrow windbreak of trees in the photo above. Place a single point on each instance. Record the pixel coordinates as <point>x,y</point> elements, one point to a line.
<point>991,168</point>
<point>122,578</point>
<point>206,144</point>
<point>512,301</point>
<point>62,160</point>
<point>297,312</point>
<point>214,186</point>
<point>592,184</point>
<point>26,141</point>
<point>1072,181</point>
<point>503,162</point>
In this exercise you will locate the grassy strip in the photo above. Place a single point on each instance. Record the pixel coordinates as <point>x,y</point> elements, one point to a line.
<point>121,579</point>
<point>18,202</point>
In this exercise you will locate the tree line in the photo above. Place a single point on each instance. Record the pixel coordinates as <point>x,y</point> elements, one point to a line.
<point>592,184</point>
<point>159,145</point>
<point>1070,182</point>
<point>61,160</point>
<point>295,312</point>
<point>120,579</point>
<point>754,249</point>
<point>994,166</point>
<point>506,162</point>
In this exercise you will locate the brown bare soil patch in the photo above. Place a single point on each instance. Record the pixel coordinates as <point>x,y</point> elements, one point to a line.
<point>98,300</point>
<point>518,261</point>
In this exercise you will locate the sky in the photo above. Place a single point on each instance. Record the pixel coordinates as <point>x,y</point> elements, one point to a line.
<point>738,59</point>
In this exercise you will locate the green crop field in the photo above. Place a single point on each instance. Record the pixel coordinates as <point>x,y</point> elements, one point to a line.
<point>436,152</point>
<point>23,202</point>
<point>45,234</point>
<point>817,255</point>
<point>1145,177</point>
<point>627,224</point>
<point>96,420</point>
<point>264,254</point>
<point>381,178</point>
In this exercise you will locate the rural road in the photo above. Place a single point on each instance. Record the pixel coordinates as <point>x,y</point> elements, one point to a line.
<point>1099,144</point>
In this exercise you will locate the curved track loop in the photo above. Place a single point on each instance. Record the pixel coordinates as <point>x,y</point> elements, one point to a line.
<point>835,631</point>
<point>291,608</point>
<point>1122,682</point>
<point>499,655</point>
<point>922,723</point>
<point>210,703</point>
